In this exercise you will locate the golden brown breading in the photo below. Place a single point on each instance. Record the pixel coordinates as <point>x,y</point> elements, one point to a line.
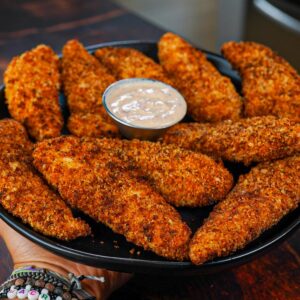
<point>96,124</point>
<point>182,177</point>
<point>244,55</point>
<point>130,63</point>
<point>210,96</point>
<point>84,78</point>
<point>96,182</point>
<point>259,201</point>
<point>14,140</point>
<point>184,135</point>
<point>271,86</point>
<point>32,92</point>
<point>25,195</point>
<point>255,139</point>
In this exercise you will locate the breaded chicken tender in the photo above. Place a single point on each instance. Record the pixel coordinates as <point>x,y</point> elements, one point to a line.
<point>184,135</point>
<point>130,63</point>
<point>96,182</point>
<point>14,139</point>
<point>25,195</point>
<point>84,78</point>
<point>210,96</point>
<point>84,81</point>
<point>183,178</point>
<point>271,86</point>
<point>32,83</point>
<point>249,140</point>
<point>96,124</point>
<point>259,201</point>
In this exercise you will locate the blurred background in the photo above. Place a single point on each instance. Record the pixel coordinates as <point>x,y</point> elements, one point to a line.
<point>206,23</point>
<point>209,23</point>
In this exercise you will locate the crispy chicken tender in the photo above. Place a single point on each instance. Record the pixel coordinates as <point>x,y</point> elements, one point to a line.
<point>84,81</point>
<point>250,140</point>
<point>92,124</point>
<point>96,124</point>
<point>14,140</point>
<point>84,78</point>
<point>130,63</point>
<point>32,91</point>
<point>97,182</point>
<point>210,96</point>
<point>184,135</point>
<point>182,177</point>
<point>271,86</point>
<point>259,201</point>
<point>25,195</point>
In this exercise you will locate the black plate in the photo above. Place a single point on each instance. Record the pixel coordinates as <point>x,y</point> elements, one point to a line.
<point>109,250</point>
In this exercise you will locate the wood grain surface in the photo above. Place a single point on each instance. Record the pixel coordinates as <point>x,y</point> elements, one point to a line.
<point>23,25</point>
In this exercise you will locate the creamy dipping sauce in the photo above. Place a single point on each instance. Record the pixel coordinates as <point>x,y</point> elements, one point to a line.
<point>145,103</point>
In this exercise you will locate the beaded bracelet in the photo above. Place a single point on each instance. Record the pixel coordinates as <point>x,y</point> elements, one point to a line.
<point>41,284</point>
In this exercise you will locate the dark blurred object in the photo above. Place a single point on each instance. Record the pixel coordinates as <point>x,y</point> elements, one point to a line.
<point>285,13</point>
<point>276,23</point>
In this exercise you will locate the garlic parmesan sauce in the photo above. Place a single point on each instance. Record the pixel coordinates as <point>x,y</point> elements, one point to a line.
<point>145,103</point>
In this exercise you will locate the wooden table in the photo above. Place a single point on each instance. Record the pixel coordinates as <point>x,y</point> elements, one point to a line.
<point>24,24</point>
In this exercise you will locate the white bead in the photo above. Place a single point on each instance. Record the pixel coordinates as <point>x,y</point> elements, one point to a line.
<point>44,291</point>
<point>33,295</point>
<point>12,294</point>
<point>58,298</point>
<point>28,287</point>
<point>22,294</point>
<point>13,287</point>
<point>44,297</point>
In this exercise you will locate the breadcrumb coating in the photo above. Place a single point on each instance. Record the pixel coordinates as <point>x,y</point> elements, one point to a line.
<point>249,140</point>
<point>14,140</point>
<point>210,96</point>
<point>271,86</point>
<point>32,84</point>
<point>245,55</point>
<point>84,78</point>
<point>183,178</point>
<point>184,135</point>
<point>84,81</point>
<point>130,63</point>
<point>96,124</point>
<point>25,195</point>
<point>98,183</point>
<point>259,201</point>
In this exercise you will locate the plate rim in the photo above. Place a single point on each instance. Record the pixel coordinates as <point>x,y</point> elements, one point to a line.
<point>47,242</point>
